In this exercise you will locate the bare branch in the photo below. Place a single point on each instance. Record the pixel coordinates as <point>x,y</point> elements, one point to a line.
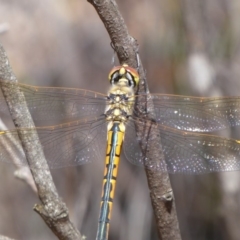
<point>124,44</point>
<point>53,210</point>
<point>159,184</point>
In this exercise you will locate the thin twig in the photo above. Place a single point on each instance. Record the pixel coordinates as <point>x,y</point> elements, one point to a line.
<point>159,184</point>
<point>53,210</point>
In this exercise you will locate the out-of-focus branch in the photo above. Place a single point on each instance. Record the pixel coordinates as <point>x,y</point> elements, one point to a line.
<point>53,210</point>
<point>23,173</point>
<point>201,72</point>
<point>4,27</point>
<point>5,238</point>
<point>215,76</point>
<point>159,184</point>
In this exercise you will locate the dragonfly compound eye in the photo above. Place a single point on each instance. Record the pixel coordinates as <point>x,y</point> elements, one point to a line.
<point>114,78</point>
<point>124,72</point>
<point>131,81</point>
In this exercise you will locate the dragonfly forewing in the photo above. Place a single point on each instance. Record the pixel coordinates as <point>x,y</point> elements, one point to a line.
<point>196,114</point>
<point>53,105</point>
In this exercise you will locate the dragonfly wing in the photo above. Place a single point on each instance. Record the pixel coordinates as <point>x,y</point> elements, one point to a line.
<point>133,151</point>
<point>52,105</point>
<point>64,145</point>
<point>196,114</point>
<point>131,145</point>
<point>199,153</point>
<point>186,152</point>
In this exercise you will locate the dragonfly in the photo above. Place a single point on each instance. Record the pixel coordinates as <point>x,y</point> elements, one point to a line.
<point>72,123</point>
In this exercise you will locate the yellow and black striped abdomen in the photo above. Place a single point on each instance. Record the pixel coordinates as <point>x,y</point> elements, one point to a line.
<point>115,138</point>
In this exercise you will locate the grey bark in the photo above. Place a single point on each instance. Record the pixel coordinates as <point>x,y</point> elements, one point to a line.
<point>159,184</point>
<point>53,211</point>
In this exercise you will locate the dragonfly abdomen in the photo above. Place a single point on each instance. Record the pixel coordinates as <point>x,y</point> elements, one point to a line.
<point>114,145</point>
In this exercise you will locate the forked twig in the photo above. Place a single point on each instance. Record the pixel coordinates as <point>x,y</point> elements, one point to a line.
<point>159,184</point>
<point>53,210</point>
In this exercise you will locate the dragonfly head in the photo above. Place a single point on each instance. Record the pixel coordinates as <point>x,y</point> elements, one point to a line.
<point>124,76</point>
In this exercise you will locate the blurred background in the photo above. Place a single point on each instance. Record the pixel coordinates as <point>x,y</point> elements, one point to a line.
<point>188,47</point>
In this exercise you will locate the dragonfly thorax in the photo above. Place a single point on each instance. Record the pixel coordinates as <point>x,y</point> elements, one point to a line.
<point>120,103</point>
<point>120,98</point>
